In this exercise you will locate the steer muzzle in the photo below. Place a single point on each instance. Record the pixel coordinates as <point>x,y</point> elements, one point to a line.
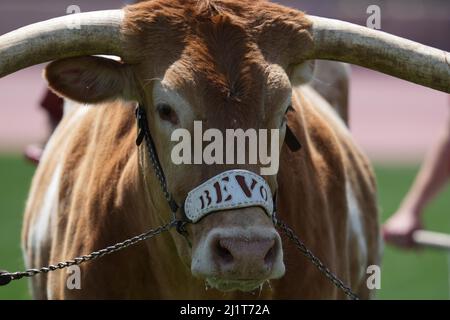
<point>239,257</point>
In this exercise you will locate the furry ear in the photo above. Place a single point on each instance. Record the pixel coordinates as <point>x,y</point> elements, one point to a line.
<point>90,79</point>
<point>302,73</point>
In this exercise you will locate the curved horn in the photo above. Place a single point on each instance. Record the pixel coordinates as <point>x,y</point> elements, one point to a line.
<point>97,32</point>
<point>401,58</point>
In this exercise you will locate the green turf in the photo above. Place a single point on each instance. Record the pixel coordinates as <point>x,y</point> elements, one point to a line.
<point>412,274</point>
<point>405,275</point>
<point>15,177</point>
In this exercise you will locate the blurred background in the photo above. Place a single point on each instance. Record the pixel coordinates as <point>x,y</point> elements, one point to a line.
<point>393,121</point>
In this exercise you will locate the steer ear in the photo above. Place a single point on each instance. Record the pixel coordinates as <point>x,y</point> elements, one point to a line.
<point>90,79</point>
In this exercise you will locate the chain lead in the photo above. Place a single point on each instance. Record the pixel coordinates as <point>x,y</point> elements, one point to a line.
<point>6,277</point>
<point>316,261</point>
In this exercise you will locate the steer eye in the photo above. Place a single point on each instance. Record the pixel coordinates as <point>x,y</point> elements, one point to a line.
<point>166,113</point>
<point>288,109</point>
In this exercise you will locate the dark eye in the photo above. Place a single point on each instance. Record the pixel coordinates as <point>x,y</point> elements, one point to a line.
<point>289,109</point>
<point>166,113</point>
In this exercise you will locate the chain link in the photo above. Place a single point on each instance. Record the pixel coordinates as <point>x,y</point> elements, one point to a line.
<point>316,261</point>
<point>92,256</point>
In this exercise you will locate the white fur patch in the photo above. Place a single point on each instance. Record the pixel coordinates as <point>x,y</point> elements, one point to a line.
<point>355,225</point>
<point>40,231</point>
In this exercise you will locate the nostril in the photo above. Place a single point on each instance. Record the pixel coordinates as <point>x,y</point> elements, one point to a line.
<point>270,255</point>
<point>268,259</point>
<point>223,253</point>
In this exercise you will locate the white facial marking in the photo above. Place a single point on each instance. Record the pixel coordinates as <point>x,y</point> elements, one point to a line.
<point>163,93</point>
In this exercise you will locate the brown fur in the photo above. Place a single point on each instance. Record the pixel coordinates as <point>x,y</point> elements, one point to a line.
<point>223,57</point>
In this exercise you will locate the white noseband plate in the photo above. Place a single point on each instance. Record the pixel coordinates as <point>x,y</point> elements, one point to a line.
<point>228,190</point>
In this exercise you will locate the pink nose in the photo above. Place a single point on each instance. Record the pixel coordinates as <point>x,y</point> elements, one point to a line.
<point>248,258</point>
<point>241,255</point>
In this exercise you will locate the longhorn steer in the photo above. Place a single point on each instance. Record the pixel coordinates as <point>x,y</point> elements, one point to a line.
<point>231,64</point>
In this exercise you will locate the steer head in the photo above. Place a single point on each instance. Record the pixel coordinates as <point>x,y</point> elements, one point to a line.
<point>227,63</point>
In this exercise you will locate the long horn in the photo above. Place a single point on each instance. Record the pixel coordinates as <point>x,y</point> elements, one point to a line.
<point>401,58</point>
<point>89,33</point>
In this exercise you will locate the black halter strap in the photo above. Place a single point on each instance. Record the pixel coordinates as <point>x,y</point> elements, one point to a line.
<point>144,134</point>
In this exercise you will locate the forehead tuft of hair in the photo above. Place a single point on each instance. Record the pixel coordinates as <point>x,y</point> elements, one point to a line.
<point>208,7</point>
<point>225,44</point>
<point>168,23</point>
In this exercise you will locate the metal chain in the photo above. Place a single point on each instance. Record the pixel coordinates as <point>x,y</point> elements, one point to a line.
<point>92,256</point>
<point>316,261</point>
<point>143,125</point>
